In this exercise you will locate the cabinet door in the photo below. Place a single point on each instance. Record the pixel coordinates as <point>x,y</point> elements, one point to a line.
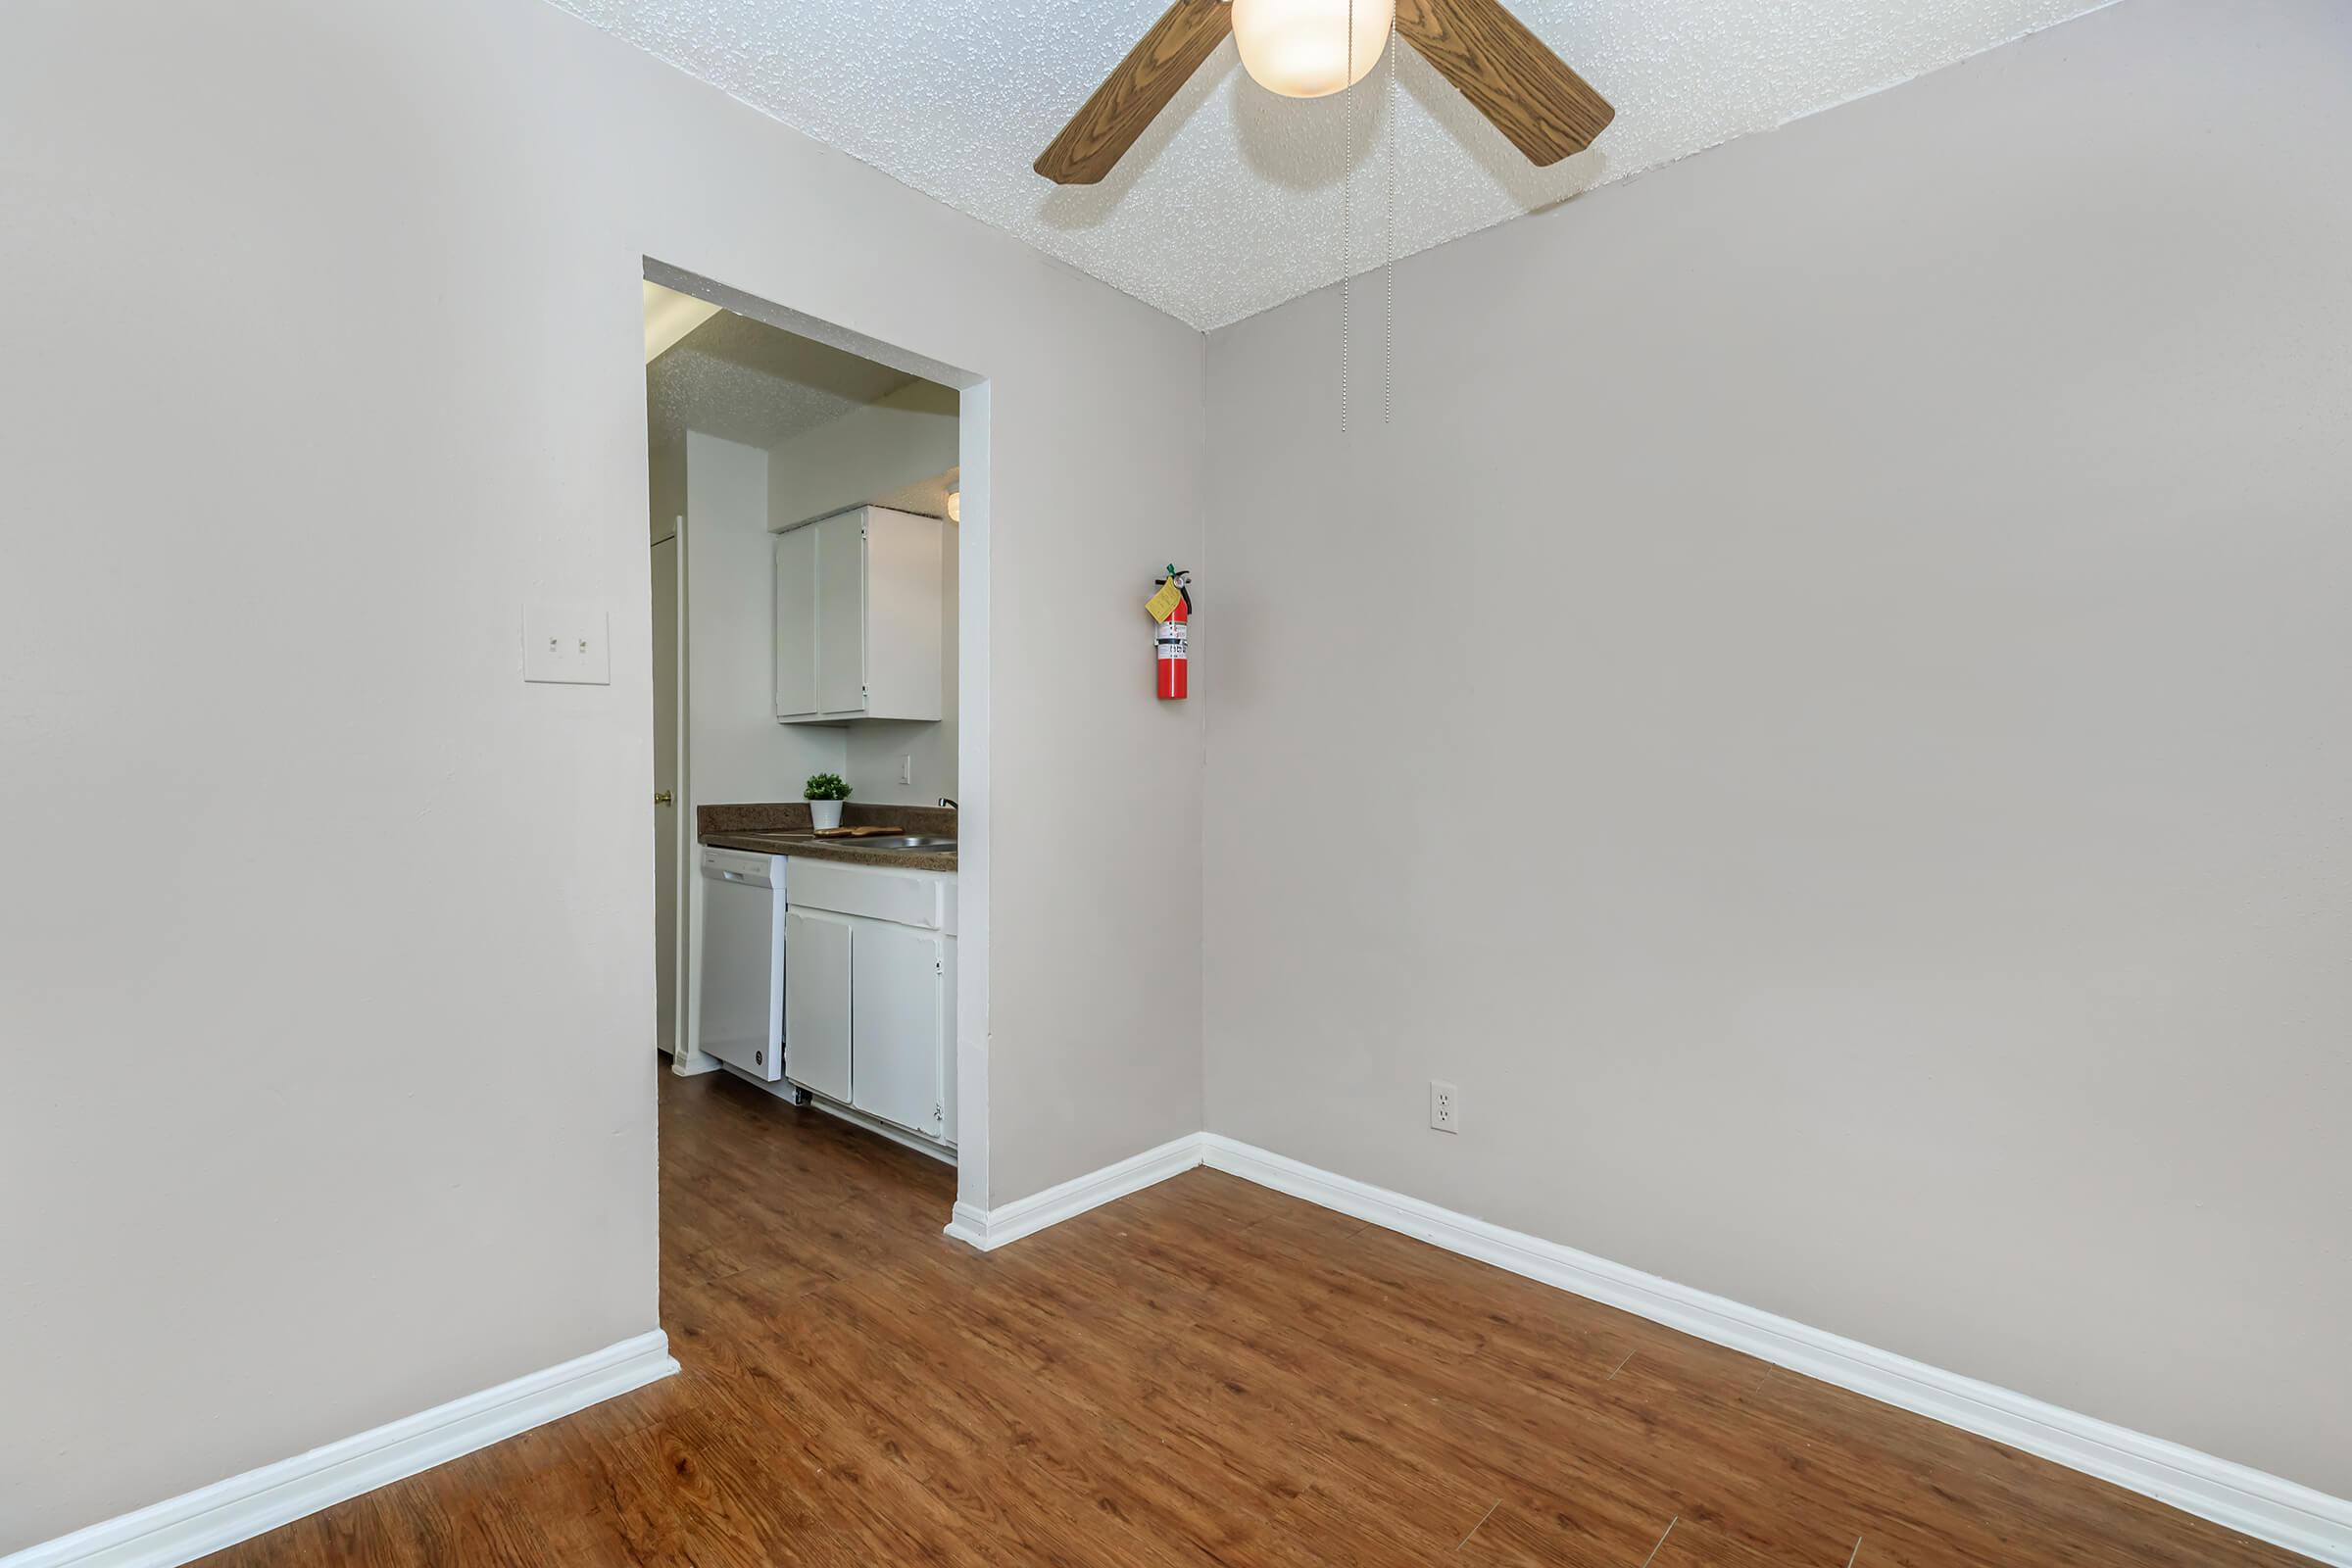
<point>840,612</point>
<point>906,608</point>
<point>947,1053</point>
<point>899,1023</point>
<point>818,1004</point>
<point>796,624</point>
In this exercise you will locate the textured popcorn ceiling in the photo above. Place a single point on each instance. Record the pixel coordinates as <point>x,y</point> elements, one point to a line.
<point>1232,201</point>
<point>926,497</point>
<point>743,380</point>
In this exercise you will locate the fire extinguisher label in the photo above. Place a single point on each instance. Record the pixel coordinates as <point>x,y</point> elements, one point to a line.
<point>1172,639</point>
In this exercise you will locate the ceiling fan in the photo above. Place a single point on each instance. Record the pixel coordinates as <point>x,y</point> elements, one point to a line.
<point>1304,49</point>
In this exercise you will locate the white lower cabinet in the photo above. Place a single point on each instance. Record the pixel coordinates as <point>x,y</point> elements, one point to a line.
<point>818,958</point>
<point>869,991</point>
<point>900,1025</point>
<point>946,1066</point>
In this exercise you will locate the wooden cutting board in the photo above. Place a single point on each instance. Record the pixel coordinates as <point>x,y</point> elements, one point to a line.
<point>861,831</point>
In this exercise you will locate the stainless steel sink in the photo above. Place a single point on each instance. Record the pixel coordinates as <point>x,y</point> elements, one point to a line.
<point>913,841</point>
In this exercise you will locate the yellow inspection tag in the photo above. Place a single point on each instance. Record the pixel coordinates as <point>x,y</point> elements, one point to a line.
<point>1162,604</point>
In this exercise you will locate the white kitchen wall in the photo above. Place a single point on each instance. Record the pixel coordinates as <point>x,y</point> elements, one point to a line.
<point>338,1085</point>
<point>666,484</point>
<point>903,439</point>
<point>879,749</point>
<point>739,752</point>
<point>1825,717</point>
<point>900,442</point>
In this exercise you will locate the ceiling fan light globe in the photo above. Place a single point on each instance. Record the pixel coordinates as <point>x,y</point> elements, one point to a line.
<point>1300,48</point>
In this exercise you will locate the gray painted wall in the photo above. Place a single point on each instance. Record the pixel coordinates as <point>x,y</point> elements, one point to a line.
<point>1826,715</point>
<point>369,1144</point>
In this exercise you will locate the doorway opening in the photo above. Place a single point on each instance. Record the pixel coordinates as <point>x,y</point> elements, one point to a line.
<point>817,518</point>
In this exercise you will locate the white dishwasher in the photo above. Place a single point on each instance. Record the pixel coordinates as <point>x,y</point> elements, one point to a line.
<point>739,1006</point>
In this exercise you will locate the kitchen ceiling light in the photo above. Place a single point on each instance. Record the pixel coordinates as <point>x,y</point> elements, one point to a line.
<point>1300,48</point>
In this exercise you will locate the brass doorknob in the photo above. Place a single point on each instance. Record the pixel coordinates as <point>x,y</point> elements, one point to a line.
<point>661,797</point>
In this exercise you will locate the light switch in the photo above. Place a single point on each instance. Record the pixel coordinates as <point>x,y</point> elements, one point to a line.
<point>567,645</point>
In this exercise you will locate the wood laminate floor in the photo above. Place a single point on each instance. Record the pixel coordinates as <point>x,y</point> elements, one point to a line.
<point>1205,1372</point>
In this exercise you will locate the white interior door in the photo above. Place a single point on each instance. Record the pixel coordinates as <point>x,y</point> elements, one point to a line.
<point>898,1022</point>
<point>669,859</point>
<point>818,1002</point>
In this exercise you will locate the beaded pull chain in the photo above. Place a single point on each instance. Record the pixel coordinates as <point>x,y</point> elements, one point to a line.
<point>1388,276</point>
<point>1347,221</point>
<point>1388,266</point>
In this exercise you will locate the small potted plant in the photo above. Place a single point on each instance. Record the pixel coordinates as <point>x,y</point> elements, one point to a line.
<point>824,793</point>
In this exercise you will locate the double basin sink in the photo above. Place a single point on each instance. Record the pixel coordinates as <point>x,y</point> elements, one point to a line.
<point>911,841</point>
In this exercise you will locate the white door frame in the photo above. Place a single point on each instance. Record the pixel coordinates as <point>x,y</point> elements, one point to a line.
<point>688,1061</point>
<point>972,533</point>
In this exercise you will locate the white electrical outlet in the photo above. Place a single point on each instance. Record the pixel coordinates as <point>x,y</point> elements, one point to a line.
<point>906,768</point>
<point>1444,1107</point>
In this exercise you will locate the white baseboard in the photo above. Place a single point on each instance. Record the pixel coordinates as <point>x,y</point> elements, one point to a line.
<point>991,1228</point>
<point>202,1522</point>
<point>2265,1506</point>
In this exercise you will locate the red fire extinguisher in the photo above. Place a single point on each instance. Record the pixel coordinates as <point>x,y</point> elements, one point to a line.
<point>1171,635</point>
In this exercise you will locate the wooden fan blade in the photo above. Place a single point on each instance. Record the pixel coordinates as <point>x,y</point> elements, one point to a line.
<point>1102,131</point>
<point>1508,74</point>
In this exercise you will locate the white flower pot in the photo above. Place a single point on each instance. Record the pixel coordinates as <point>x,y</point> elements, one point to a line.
<point>827,814</point>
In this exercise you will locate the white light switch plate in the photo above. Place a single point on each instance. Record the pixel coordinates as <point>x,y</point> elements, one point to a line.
<point>567,645</point>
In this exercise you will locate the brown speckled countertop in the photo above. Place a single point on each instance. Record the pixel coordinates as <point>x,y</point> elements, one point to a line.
<point>782,828</point>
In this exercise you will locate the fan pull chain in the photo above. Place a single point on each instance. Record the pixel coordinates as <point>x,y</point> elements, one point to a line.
<point>1347,219</point>
<point>1388,274</point>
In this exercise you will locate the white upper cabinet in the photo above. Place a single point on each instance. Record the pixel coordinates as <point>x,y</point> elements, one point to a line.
<point>858,611</point>
<point>796,616</point>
